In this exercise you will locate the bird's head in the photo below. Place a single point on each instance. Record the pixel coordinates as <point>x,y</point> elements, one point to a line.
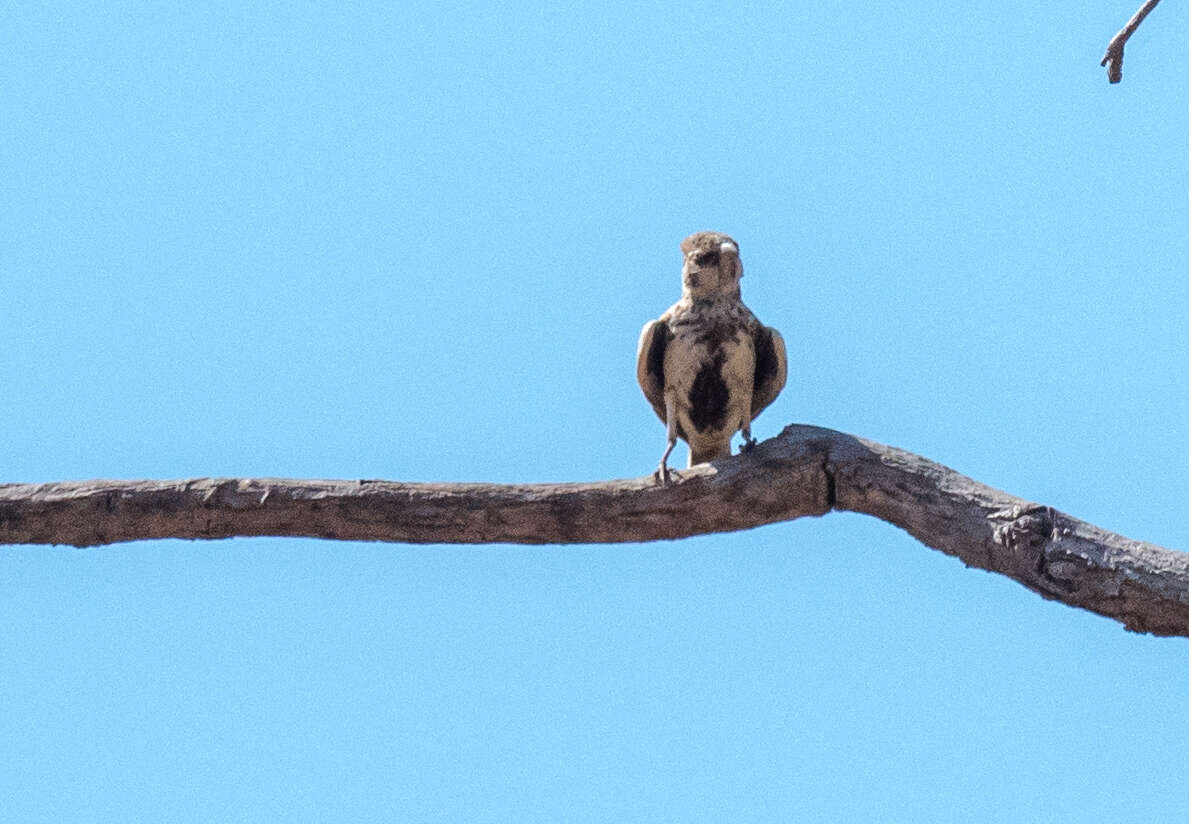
<point>712,266</point>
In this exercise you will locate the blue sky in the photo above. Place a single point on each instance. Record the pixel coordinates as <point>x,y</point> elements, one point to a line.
<point>418,241</point>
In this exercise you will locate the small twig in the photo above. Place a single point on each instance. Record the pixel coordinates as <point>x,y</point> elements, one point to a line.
<point>1114,51</point>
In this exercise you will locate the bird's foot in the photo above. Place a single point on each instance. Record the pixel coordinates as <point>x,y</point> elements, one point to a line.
<point>749,443</point>
<point>662,475</point>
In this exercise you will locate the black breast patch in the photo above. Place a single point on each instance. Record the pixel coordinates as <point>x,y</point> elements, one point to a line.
<point>708,396</point>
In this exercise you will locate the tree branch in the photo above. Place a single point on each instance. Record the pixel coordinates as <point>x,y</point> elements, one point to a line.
<point>803,471</point>
<point>1114,50</point>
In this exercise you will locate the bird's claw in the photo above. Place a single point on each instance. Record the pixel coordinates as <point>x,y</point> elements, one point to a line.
<point>662,475</point>
<point>749,443</point>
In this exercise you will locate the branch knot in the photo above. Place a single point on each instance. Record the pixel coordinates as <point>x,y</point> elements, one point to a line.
<point>1028,527</point>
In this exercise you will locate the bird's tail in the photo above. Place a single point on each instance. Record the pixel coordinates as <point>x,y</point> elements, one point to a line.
<point>704,453</point>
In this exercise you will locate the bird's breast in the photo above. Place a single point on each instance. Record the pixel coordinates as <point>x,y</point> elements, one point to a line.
<point>710,369</point>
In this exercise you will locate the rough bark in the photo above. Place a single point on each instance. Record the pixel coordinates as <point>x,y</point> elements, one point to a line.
<point>804,471</point>
<point>1113,59</point>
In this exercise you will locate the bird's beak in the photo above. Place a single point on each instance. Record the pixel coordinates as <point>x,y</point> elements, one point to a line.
<point>731,250</point>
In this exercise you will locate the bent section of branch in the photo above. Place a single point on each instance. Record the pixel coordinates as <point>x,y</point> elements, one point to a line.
<point>804,471</point>
<point>1113,59</point>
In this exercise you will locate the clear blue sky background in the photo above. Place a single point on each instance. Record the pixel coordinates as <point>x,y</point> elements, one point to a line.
<point>418,241</point>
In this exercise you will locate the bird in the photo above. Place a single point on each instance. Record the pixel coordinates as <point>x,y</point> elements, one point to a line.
<point>708,366</point>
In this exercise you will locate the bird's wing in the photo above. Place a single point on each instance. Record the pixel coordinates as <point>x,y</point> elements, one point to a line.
<point>771,369</point>
<point>650,364</point>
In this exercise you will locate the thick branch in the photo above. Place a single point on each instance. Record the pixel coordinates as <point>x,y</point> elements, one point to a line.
<point>803,471</point>
<point>1114,49</point>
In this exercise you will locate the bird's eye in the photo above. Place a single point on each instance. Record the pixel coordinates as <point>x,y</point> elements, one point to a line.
<point>707,258</point>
